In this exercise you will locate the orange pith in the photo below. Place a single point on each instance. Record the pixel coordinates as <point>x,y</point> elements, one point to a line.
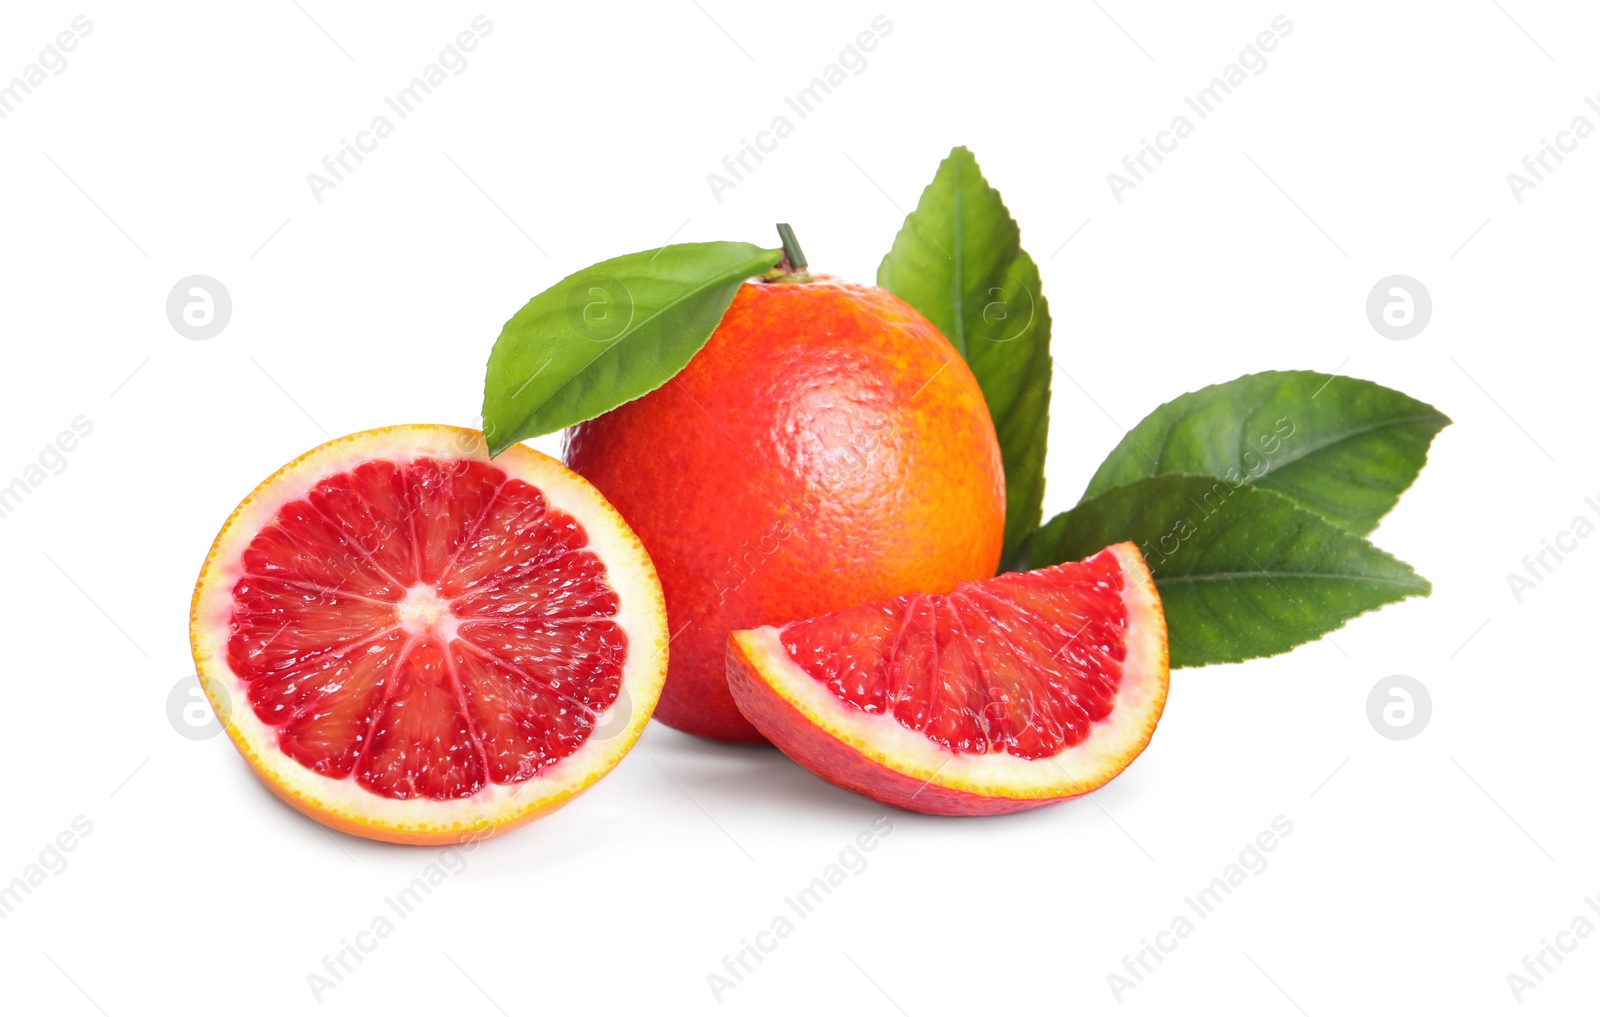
<point>412,643</point>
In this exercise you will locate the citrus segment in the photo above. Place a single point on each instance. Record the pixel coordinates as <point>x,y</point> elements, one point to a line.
<point>422,643</point>
<point>1005,694</point>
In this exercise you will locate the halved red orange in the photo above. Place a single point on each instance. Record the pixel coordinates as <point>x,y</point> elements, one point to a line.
<point>412,643</point>
<point>1006,694</point>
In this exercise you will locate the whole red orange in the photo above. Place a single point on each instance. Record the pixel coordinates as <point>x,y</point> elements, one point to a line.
<point>828,447</point>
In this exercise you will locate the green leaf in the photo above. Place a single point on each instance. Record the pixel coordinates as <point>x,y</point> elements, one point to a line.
<point>1342,447</point>
<point>609,334</point>
<point>1242,572</point>
<point>958,260</point>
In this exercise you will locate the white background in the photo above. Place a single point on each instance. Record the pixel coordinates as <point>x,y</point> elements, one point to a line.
<point>1376,141</point>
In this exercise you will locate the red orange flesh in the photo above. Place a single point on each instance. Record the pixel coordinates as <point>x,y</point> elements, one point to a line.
<point>413,643</point>
<point>1006,694</point>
